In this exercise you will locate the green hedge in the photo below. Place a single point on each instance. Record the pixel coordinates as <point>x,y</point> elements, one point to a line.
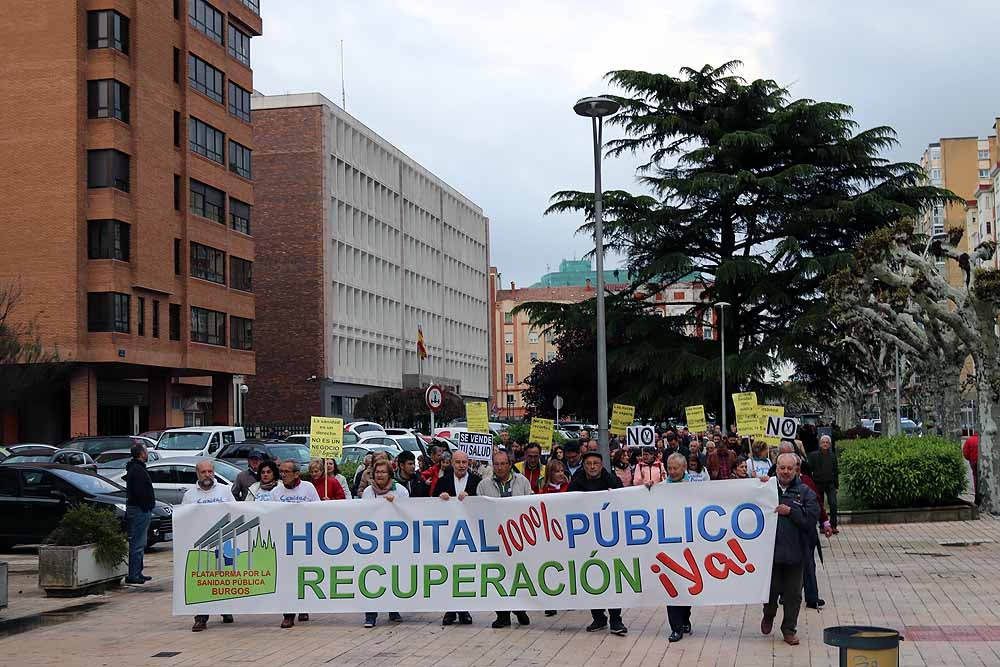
<point>883,473</point>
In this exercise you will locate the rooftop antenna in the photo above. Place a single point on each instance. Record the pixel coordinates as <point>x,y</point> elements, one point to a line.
<point>343,88</point>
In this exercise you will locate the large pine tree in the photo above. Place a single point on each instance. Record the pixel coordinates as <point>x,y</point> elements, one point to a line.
<point>764,197</point>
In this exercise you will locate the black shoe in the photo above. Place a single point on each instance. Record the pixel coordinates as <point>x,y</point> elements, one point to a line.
<point>449,618</point>
<point>395,617</point>
<point>146,577</point>
<point>501,623</point>
<point>686,629</point>
<point>598,624</point>
<point>303,617</point>
<point>551,612</point>
<point>618,628</point>
<point>522,618</point>
<point>675,636</point>
<point>464,618</point>
<point>818,604</point>
<point>135,582</point>
<point>228,618</point>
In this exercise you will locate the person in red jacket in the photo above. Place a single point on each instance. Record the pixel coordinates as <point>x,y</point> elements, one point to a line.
<point>970,450</point>
<point>333,490</point>
<point>555,477</point>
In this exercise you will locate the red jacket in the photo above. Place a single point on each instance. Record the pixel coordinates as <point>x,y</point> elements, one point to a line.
<point>334,491</point>
<point>807,480</point>
<point>548,488</point>
<point>970,449</point>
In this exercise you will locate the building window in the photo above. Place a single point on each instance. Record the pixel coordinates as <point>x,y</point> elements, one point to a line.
<point>175,321</point>
<point>177,65</point>
<point>205,79</point>
<point>532,337</point>
<point>510,399</point>
<point>206,140</point>
<point>508,357</point>
<point>108,311</point>
<point>206,18</point>
<point>208,326</point>
<point>239,102</point>
<point>984,174</point>
<point>240,274</point>
<point>177,192</point>
<point>240,333</point>
<point>534,357</point>
<point>239,216</point>
<point>508,338</point>
<point>208,263</point>
<point>108,168</point>
<point>239,159</point>
<point>107,29</point>
<point>935,153</point>
<point>984,154</point>
<point>141,319</point>
<point>239,45</point>
<point>107,98</point>
<point>509,378</point>
<point>207,202</point>
<point>936,174</point>
<point>508,317</point>
<point>177,257</point>
<point>177,129</point>
<point>108,239</point>
<point>156,319</point>
<point>549,356</point>
<point>252,5</point>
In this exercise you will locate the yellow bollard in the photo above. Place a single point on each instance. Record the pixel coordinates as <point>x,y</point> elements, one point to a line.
<point>863,646</point>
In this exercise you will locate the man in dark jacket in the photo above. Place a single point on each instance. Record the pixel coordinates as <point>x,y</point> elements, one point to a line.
<point>593,476</point>
<point>249,477</point>
<point>406,475</point>
<point>826,474</point>
<point>139,504</point>
<point>798,512</point>
<point>459,482</point>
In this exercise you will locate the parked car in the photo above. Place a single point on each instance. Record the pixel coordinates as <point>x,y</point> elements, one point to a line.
<point>110,466</point>
<point>356,453</point>
<point>70,457</point>
<point>304,438</point>
<point>152,435</point>
<point>409,440</point>
<point>4,453</point>
<point>907,426</point>
<point>376,438</point>
<point>362,427</point>
<point>271,450</point>
<point>113,455</point>
<point>95,444</point>
<point>34,497</point>
<point>198,440</point>
<point>173,476</point>
<point>14,449</point>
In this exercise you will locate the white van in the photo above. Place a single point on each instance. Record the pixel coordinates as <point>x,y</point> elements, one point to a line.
<point>198,440</point>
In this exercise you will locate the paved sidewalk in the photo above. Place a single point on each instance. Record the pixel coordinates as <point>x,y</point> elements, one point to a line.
<point>945,599</point>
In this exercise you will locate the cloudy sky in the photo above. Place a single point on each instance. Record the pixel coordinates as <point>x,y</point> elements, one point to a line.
<point>481,93</point>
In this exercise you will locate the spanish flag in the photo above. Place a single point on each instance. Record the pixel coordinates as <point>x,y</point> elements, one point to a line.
<point>421,349</point>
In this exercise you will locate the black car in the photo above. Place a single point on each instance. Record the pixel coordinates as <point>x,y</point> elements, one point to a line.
<point>272,450</point>
<point>98,444</point>
<point>70,457</point>
<point>34,497</point>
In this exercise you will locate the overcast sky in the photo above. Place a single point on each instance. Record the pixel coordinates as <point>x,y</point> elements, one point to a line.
<point>481,93</point>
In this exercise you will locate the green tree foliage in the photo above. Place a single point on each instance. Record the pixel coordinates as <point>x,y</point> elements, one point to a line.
<point>405,408</point>
<point>761,195</point>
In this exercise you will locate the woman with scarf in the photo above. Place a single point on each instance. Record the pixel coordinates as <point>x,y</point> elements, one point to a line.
<point>385,487</point>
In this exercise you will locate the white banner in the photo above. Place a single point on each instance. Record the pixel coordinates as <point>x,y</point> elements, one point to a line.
<point>686,544</point>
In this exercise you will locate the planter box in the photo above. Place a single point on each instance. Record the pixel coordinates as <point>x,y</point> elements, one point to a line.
<point>74,570</point>
<point>961,511</point>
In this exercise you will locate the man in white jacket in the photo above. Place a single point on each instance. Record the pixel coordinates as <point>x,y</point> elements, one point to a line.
<point>207,491</point>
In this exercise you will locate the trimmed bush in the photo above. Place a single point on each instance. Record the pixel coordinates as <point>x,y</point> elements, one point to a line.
<point>885,473</point>
<point>91,524</point>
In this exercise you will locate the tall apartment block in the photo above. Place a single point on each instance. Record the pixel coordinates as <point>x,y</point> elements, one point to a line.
<point>960,164</point>
<point>358,245</point>
<point>127,222</point>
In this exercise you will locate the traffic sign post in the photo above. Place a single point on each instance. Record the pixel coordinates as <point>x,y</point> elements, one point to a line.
<point>434,397</point>
<point>557,403</point>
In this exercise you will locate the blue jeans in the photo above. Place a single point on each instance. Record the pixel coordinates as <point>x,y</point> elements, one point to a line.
<point>137,526</point>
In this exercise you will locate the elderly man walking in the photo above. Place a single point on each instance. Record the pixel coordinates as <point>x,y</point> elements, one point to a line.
<point>798,512</point>
<point>826,475</point>
<point>505,483</point>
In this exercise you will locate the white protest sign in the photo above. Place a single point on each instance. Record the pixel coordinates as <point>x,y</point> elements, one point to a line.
<point>679,544</point>
<point>479,446</point>
<point>640,436</point>
<point>784,428</point>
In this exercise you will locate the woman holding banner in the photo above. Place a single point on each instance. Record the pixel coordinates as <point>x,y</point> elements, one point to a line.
<point>385,487</point>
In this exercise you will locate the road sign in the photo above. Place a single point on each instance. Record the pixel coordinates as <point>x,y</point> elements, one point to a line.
<point>479,446</point>
<point>326,437</point>
<point>784,428</point>
<point>640,436</point>
<point>557,402</point>
<point>434,397</point>
<point>622,417</point>
<point>695,415</point>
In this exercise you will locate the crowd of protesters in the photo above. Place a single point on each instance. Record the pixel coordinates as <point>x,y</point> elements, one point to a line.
<point>806,470</point>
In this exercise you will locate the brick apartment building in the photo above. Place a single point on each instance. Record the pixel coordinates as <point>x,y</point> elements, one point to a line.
<point>516,343</point>
<point>126,218</point>
<point>358,245</point>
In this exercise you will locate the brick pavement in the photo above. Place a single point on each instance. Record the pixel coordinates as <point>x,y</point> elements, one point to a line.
<point>898,576</point>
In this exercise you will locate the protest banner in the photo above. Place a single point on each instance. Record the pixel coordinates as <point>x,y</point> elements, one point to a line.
<point>479,446</point>
<point>640,436</point>
<point>541,432</point>
<point>622,417</point>
<point>765,412</point>
<point>326,437</point>
<point>781,428</point>
<point>746,412</point>
<point>476,417</point>
<point>681,544</point>
<point>695,415</point>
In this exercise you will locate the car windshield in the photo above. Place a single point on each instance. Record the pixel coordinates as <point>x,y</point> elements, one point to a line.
<point>115,464</point>
<point>24,458</point>
<point>408,443</point>
<point>181,441</point>
<point>91,484</point>
<point>294,452</point>
<point>96,446</point>
<point>106,457</point>
<point>226,471</point>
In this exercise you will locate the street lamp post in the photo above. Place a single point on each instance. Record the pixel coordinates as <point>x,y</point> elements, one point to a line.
<point>722,305</point>
<point>597,108</point>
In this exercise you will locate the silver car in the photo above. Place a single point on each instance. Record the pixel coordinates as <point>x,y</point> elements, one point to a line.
<point>173,476</point>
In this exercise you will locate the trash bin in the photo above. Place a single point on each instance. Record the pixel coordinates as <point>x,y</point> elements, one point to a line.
<point>864,646</point>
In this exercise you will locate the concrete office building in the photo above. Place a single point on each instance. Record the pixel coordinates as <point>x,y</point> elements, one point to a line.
<point>357,246</point>
<point>126,176</point>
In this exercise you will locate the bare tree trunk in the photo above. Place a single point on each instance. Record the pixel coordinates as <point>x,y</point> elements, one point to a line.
<point>951,418</point>
<point>887,411</point>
